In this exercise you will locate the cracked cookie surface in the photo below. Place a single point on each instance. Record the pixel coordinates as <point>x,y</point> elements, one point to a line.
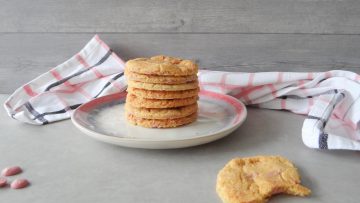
<point>168,113</point>
<point>162,65</point>
<point>164,87</point>
<point>140,102</point>
<point>158,79</point>
<point>256,179</point>
<point>153,94</point>
<point>161,123</point>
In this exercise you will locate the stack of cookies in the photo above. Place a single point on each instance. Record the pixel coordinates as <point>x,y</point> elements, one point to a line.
<point>162,91</point>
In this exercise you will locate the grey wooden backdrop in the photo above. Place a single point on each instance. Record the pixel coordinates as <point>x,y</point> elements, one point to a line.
<point>233,35</point>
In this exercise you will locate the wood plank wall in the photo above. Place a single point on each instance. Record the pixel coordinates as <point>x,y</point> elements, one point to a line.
<point>232,35</point>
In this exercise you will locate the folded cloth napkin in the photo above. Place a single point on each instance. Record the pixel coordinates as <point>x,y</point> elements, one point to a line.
<point>329,99</point>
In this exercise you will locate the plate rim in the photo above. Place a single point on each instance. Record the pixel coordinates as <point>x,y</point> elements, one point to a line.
<point>101,137</point>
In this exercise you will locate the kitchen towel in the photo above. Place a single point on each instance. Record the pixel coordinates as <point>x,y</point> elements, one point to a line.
<point>330,100</point>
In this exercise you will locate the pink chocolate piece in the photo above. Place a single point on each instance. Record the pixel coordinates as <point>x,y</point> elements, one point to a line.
<point>3,182</point>
<point>11,171</point>
<point>19,183</point>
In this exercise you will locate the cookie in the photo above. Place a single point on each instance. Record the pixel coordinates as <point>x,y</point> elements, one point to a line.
<point>159,79</point>
<point>169,113</point>
<point>255,179</point>
<point>151,94</point>
<point>161,123</point>
<point>163,87</point>
<point>140,102</point>
<point>162,65</point>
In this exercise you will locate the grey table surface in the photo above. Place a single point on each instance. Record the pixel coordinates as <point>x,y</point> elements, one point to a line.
<point>64,165</point>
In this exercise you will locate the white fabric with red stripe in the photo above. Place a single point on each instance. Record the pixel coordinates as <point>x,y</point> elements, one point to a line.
<point>329,99</point>
<point>95,71</point>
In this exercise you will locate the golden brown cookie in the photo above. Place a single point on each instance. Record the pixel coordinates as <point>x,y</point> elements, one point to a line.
<point>163,87</point>
<point>162,65</point>
<point>151,94</point>
<point>157,79</point>
<point>169,113</point>
<point>161,123</point>
<point>255,179</point>
<point>140,102</point>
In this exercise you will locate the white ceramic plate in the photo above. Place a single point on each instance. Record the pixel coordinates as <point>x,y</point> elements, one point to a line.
<point>104,120</point>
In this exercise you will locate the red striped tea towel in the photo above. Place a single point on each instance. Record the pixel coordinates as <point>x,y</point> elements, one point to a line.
<point>93,72</point>
<point>329,99</point>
